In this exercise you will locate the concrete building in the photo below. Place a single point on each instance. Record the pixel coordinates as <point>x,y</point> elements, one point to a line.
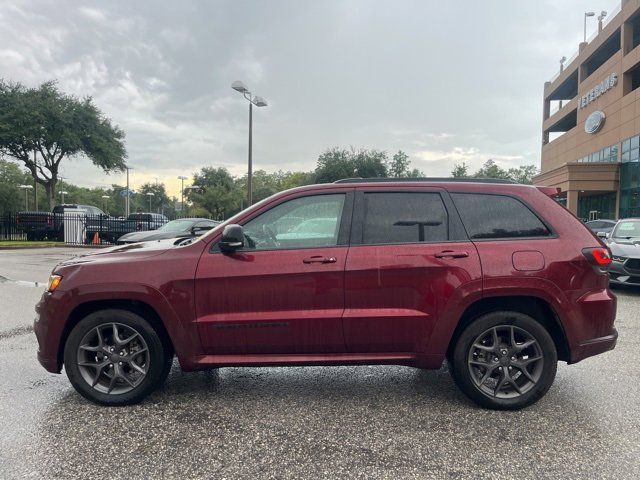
<point>591,121</point>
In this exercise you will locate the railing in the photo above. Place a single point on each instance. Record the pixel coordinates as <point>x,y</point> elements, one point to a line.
<point>70,228</point>
<point>610,16</point>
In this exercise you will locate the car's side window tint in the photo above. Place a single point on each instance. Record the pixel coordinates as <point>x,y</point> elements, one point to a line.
<point>411,217</point>
<point>304,222</point>
<point>497,216</point>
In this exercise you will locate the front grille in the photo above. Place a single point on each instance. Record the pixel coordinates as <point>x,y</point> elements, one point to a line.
<point>633,265</point>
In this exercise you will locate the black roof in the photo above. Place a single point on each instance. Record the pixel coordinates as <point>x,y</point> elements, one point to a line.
<point>425,179</point>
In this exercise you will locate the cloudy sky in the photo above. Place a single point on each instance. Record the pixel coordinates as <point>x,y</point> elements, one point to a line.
<point>444,81</point>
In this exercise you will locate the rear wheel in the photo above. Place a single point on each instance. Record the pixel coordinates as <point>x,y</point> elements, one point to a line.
<point>115,357</point>
<point>504,361</point>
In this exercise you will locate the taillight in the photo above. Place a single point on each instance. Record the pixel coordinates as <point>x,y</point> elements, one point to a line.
<point>599,257</point>
<point>49,220</point>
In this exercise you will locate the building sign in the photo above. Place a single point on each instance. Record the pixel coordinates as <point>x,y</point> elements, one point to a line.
<point>607,84</point>
<point>594,122</point>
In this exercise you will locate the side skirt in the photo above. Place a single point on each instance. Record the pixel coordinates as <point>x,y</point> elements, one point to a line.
<point>282,360</point>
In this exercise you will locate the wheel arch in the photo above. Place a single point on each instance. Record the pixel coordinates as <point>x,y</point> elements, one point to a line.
<point>536,307</point>
<point>143,309</point>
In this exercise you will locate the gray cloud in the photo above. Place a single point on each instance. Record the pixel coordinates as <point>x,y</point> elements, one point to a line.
<point>444,81</point>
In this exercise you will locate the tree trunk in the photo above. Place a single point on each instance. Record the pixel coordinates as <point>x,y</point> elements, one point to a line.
<point>50,188</point>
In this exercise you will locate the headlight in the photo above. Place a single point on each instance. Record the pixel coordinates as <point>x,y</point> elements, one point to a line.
<point>54,281</point>
<point>619,259</point>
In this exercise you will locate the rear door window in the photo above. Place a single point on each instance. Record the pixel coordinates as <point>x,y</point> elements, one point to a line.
<point>487,216</point>
<point>404,217</point>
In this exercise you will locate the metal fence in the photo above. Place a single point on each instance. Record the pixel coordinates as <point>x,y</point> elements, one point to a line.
<point>71,228</point>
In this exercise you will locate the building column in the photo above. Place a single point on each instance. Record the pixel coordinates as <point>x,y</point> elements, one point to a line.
<point>572,201</point>
<point>626,37</point>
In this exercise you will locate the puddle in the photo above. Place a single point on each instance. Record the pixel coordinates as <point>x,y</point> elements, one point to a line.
<point>22,283</point>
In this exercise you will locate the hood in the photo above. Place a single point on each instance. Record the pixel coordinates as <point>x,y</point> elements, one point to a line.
<point>148,235</point>
<point>625,248</point>
<point>123,252</point>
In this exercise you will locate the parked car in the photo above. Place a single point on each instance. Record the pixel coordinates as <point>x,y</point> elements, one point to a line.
<point>601,226</point>
<point>110,229</point>
<point>181,228</point>
<point>495,277</point>
<point>624,242</point>
<point>50,225</point>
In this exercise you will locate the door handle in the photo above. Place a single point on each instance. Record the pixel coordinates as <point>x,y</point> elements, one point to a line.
<point>319,259</point>
<point>451,254</point>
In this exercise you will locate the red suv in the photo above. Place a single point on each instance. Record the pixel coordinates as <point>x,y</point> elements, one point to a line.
<point>497,278</point>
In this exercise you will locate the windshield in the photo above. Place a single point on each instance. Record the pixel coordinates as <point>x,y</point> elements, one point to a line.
<point>627,229</point>
<point>176,226</point>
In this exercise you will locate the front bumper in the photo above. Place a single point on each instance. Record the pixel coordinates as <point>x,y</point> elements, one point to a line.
<point>620,275</point>
<point>48,330</point>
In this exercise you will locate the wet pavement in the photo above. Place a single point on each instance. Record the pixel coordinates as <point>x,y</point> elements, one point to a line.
<point>314,422</point>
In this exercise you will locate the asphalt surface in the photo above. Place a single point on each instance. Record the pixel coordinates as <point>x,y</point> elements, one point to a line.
<point>315,422</point>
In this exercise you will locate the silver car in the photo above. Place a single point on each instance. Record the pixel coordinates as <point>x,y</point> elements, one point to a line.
<point>624,242</point>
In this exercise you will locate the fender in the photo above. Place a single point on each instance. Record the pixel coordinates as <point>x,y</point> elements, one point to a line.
<point>177,317</point>
<point>494,288</point>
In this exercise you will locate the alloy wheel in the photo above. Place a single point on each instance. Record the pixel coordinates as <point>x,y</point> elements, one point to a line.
<point>505,361</point>
<point>113,358</point>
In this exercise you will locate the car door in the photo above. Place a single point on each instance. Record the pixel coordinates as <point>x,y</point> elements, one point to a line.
<point>283,292</point>
<point>408,261</point>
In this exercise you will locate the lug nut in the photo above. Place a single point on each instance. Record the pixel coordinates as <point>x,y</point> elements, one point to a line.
<point>112,349</point>
<point>513,358</point>
<point>120,363</point>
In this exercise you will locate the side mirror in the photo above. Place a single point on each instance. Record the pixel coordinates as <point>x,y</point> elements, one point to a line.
<point>196,231</point>
<point>603,235</point>
<point>232,238</point>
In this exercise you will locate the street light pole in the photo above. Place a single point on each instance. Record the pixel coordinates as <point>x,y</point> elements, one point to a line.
<point>258,102</point>
<point>149,194</point>
<point>250,163</point>
<point>62,193</point>
<point>26,189</point>
<point>182,178</point>
<point>126,199</point>
<point>104,202</point>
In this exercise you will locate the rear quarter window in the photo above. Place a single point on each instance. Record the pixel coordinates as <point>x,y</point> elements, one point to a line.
<point>487,216</point>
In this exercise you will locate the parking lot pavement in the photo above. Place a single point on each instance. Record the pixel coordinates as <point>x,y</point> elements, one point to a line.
<point>315,422</point>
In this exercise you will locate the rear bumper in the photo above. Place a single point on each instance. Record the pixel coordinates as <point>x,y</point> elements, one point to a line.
<point>594,347</point>
<point>592,330</point>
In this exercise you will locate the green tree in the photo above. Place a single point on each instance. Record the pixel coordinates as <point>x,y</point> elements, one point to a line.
<point>337,163</point>
<point>42,126</point>
<point>218,194</point>
<point>11,197</point>
<point>460,170</point>
<point>400,164</point>
<point>491,169</point>
<point>523,174</point>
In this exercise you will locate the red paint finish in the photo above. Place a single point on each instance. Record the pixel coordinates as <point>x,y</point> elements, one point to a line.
<point>271,302</point>
<point>528,260</point>
<point>394,295</point>
<point>347,304</point>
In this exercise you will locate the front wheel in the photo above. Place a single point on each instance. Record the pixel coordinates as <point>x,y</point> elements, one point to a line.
<point>115,357</point>
<point>504,361</point>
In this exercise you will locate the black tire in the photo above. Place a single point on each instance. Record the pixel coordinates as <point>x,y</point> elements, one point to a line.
<point>476,381</point>
<point>158,361</point>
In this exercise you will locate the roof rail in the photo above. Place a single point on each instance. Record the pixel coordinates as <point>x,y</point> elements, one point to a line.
<point>424,179</point>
